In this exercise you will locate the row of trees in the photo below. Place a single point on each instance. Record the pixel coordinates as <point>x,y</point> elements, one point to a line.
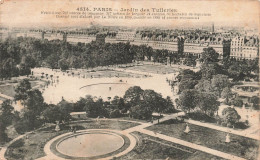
<point>136,102</point>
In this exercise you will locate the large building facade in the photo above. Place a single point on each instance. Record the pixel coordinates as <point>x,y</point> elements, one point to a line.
<point>239,47</point>
<point>244,47</point>
<point>195,44</point>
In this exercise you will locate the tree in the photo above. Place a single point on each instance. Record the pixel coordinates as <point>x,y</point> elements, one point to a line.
<point>28,61</point>
<point>94,108</point>
<point>6,117</point>
<point>188,100</point>
<point>209,55</point>
<point>255,101</point>
<point>119,102</point>
<point>133,95</point>
<point>219,82</point>
<point>230,115</point>
<point>154,100</point>
<point>208,103</point>
<point>22,90</point>
<point>188,74</point>
<point>210,69</point>
<point>34,105</point>
<point>6,112</point>
<point>190,60</point>
<point>238,102</point>
<point>203,85</point>
<point>63,64</point>
<point>3,135</point>
<point>79,105</point>
<point>227,94</point>
<point>187,84</point>
<point>52,61</point>
<point>35,102</point>
<point>52,114</point>
<point>141,111</point>
<point>65,109</point>
<point>169,106</point>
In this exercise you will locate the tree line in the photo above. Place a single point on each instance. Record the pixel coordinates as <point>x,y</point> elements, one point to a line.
<point>18,56</point>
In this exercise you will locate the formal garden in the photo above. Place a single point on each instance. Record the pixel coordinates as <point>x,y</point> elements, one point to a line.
<point>32,145</point>
<point>211,138</point>
<point>150,147</point>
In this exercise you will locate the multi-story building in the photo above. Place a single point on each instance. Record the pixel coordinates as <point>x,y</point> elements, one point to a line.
<point>244,47</point>
<point>82,38</point>
<point>250,49</point>
<point>237,46</point>
<point>53,36</point>
<point>195,44</point>
<point>126,35</point>
<point>121,36</point>
<point>169,42</point>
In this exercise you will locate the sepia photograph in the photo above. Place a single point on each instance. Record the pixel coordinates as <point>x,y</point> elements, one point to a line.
<point>129,79</point>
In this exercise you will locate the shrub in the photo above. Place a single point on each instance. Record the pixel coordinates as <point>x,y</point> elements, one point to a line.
<point>224,124</point>
<point>115,114</point>
<point>219,122</point>
<point>17,144</point>
<point>23,126</point>
<point>241,125</point>
<point>199,116</point>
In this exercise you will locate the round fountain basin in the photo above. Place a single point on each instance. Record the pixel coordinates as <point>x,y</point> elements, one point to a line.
<point>90,144</point>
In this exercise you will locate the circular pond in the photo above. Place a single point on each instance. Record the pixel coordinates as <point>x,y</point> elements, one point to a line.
<point>90,144</point>
<point>105,90</point>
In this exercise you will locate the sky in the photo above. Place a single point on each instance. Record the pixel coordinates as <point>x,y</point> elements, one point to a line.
<point>16,13</point>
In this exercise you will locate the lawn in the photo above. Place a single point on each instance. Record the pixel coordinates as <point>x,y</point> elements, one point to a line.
<point>9,89</point>
<point>239,146</point>
<point>32,147</point>
<point>150,147</point>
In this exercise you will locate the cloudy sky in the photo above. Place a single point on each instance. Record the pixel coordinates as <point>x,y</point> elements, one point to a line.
<point>29,12</point>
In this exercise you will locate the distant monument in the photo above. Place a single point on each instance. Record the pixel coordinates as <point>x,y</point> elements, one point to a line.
<point>227,138</point>
<point>187,130</point>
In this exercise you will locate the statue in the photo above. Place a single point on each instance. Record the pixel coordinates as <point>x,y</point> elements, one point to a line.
<point>57,128</point>
<point>227,138</point>
<point>187,130</point>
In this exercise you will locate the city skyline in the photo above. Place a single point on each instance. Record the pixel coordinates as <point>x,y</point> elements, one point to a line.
<point>223,13</point>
